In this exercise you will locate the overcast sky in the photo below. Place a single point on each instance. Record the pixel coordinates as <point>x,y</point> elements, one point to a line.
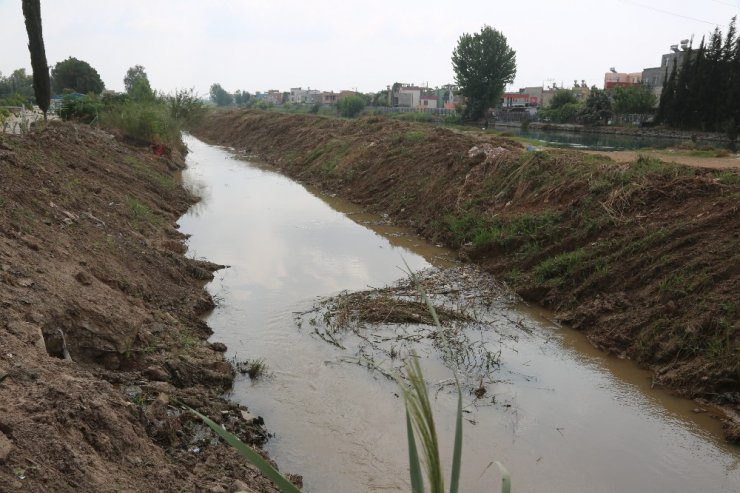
<point>256,45</point>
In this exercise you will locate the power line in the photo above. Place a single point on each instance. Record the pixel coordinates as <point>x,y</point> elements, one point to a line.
<point>735,5</point>
<point>649,7</point>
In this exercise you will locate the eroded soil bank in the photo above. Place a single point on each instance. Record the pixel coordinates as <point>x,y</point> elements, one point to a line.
<point>89,251</point>
<point>642,256</point>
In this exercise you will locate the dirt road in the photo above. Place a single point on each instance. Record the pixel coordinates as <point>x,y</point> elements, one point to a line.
<point>729,162</point>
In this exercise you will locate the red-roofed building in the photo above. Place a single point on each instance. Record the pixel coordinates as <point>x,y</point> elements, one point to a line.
<point>519,100</point>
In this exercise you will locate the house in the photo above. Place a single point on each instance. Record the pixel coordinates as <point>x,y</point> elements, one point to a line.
<point>274,96</point>
<point>654,77</point>
<point>614,79</point>
<point>297,95</point>
<point>515,100</point>
<point>524,98</point>
<point>446,97</point>
<point>329,97</point>
<point>407,96</point>
<point>304,96</point>
<point>427,102</point>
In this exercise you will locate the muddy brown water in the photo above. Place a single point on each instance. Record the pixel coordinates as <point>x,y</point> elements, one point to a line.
<point>566,417</point>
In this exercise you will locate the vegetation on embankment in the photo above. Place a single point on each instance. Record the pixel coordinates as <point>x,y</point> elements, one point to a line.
<point>642,257</point>
<point>92,265</point>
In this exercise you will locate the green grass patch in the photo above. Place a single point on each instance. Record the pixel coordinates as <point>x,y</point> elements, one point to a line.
<point>651,239</point>
<point>414,117</point>
<point>142,214</point>
<point>674,285</point>
<point>518,230</point>
<point>560,265</point>
<point>414,136</point>
<point>255,368</point>
<point>729,177</point>
<point>647,165</point>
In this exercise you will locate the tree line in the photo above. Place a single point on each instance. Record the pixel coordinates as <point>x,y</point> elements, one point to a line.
<point>704,92</point>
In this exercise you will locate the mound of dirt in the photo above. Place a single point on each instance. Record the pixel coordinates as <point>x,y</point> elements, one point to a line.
<point>100,325</point>
<point>644,257</point>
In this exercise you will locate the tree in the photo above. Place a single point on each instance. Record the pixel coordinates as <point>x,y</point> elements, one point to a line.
<point>185,106</point>
<point>381,98</point>
<point>133,75</point>
<point>220,97</point>
<point>18,83</point>
<point>142,91</point>
<point>634,99</point>
<point>704,91</point>
<point>561,98</point>
<point>241,98</point>
<point>352,105</point>
<point>41,85</point>
<point>76,75</point>
<point>483,64</point>
<point>665,108</point>
<point>598,108</point>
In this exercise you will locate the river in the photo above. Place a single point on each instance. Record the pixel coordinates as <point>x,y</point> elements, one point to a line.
<point>560,415</point>
<point>600,141</point>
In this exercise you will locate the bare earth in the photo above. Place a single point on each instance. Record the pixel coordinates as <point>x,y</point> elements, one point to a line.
<point>89,250</point>
<point>730,162</point>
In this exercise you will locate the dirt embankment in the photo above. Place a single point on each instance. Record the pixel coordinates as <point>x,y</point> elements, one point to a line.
<point>100,327</point>
<point>643,257</point>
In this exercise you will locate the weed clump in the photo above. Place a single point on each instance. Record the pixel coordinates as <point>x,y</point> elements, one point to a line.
<point>255,368</point>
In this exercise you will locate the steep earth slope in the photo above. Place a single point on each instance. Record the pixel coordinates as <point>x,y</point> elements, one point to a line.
<point>644,257</point>
<point>100,326</point>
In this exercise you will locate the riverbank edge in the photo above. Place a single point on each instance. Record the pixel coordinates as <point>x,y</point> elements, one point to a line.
<point>102,327</point>
<point>413,173</point>
<point>650,132</point>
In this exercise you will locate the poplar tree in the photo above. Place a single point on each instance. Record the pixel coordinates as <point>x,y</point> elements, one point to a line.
<point>483,63</point>
<point>41,84</point>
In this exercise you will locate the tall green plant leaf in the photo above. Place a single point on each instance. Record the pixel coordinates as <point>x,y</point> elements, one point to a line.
<point>505,478</point>
<point>457,451</point>
<point>417,482</point>
<point>248,453</point>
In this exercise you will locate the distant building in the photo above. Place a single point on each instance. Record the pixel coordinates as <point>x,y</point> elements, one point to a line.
<point>446,97</point>
<point>329,97</point>
<point>655,77</point>
<point>297,95</point>
<point>426,102</point>
<point>274,96</point>
<point>407,96</point>
<point>516,100</point>
<point>622,79</point>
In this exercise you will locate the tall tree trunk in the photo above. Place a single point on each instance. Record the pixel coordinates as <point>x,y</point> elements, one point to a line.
<point>41,85</point>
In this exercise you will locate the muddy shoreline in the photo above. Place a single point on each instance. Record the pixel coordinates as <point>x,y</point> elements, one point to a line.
<point>101,325</point>
<point>642,257</point>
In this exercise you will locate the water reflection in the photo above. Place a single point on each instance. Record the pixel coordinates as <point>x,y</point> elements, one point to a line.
<point>599,142</point>
<point>565,417</point>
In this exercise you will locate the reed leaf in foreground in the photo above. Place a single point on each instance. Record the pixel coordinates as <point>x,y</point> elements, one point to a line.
<point>249,453</point>
<point>420,420</point>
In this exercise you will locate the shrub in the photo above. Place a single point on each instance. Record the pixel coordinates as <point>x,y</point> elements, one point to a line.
<point>186,107</point>
<point>85,109</point>
<point>351,106</point>
<point>144,123</point>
